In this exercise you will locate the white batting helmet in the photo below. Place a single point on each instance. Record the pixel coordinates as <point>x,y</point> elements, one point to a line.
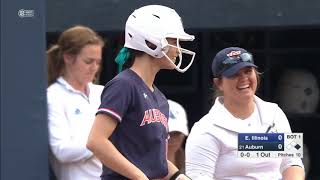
<point>155,23</point>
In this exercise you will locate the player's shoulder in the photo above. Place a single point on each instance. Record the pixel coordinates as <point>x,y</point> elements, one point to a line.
<point>55,88</point>
<point>56,93</point>
<point>265,104</point>
<point>204,125</point>
<point>126,76</point>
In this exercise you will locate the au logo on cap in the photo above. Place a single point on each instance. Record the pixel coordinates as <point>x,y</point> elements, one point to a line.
<point>234,53</point>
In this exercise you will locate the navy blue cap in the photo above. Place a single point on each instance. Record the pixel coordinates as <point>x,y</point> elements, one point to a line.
<point>229,61</point>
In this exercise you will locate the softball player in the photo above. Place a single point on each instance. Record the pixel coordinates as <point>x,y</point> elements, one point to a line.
<point>130,132</point>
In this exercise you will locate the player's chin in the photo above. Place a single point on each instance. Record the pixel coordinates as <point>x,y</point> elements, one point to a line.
<point>172,65</point>
<point>89,78</point>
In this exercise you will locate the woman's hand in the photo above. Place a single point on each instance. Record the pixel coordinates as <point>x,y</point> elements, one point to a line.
<point>293,173</point>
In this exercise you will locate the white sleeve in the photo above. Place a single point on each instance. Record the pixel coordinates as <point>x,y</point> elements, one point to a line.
<point>202,152</point>
<point>64,147</point>
<point>283,124</point>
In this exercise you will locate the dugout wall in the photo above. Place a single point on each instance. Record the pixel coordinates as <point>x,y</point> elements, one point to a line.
<point>24,137</point>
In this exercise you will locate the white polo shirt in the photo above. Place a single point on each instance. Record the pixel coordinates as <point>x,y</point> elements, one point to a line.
<point>70,116</point>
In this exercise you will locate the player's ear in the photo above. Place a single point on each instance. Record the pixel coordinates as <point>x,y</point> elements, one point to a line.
<point>217,83</point>
<point>68,58</point>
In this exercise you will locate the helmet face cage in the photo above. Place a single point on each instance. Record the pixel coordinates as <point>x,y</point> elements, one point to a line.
<point>180,55</point>
<point>153,24</point>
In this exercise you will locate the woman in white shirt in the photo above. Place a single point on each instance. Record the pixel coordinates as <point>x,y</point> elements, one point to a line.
<point>211,148</point>
<point>73,101</point>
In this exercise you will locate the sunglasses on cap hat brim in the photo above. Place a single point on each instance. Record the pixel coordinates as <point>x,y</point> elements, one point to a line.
<point>231,65</point>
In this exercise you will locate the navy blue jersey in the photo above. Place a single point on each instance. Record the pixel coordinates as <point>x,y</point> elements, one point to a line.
<point>142,132</point>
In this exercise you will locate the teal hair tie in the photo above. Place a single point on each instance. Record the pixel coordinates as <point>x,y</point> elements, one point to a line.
<point>122,58</point>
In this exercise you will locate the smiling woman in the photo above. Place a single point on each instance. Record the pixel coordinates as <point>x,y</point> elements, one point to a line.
<point>237,110</point>
<point>72,101</point>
